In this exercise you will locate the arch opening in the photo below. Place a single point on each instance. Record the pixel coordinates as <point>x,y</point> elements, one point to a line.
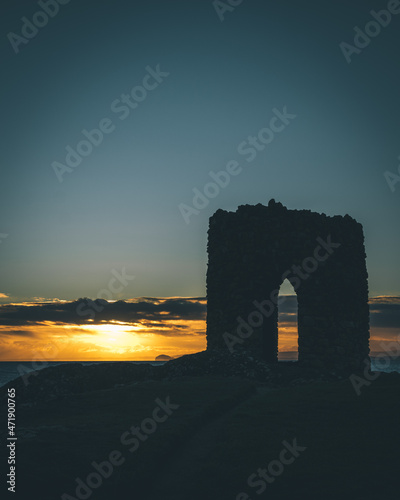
<point>288,333</point>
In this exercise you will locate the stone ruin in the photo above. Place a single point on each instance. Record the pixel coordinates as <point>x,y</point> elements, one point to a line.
<point>253,250</point>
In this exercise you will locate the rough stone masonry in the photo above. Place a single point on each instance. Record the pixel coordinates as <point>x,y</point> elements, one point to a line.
<point>253,250</point>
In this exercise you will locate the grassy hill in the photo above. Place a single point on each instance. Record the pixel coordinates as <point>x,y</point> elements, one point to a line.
<point>219,431</point>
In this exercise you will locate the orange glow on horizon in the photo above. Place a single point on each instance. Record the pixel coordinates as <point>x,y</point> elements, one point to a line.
<point>114,341</point>
<point>121,342</point>
<point>141,341</point>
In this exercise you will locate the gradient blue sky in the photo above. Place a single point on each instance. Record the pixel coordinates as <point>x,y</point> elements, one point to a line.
<point>119,208</point>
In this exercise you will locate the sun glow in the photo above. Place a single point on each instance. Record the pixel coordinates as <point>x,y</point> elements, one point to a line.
<point>143,339</point>
<point>112,341</point>
<point>113,338</point>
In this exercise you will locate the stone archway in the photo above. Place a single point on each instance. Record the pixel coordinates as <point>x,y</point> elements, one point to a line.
<point>253,250</point>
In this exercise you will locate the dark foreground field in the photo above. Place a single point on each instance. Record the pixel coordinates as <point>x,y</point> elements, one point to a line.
<point>222,433</point>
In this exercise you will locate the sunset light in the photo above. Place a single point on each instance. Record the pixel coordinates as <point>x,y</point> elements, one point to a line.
<point>199,250</point>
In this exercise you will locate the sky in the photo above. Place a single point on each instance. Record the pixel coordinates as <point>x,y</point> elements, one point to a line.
<point>207,77</point>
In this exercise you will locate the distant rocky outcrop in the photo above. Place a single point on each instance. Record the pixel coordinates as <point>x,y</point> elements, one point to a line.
<point>163,357</point>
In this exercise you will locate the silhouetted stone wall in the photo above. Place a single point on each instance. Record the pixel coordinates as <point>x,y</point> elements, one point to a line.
<point>253,250</point>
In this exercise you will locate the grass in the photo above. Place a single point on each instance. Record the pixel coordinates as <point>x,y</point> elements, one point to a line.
<point>223,431</point>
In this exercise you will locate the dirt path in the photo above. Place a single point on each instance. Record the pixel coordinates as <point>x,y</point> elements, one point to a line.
<point>176,479</point>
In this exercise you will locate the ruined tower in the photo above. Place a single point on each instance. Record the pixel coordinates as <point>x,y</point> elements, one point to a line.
<point>253,250</point>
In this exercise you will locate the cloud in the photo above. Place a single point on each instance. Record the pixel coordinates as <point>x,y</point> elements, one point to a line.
<point>385,312</point>
<point>12,299</point>
<point>163,314</point>
<point>287,304</point>
<point>144,311</point>
<point>17,333</point>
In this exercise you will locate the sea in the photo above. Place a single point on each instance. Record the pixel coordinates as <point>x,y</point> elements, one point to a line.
<point>12,370</point>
